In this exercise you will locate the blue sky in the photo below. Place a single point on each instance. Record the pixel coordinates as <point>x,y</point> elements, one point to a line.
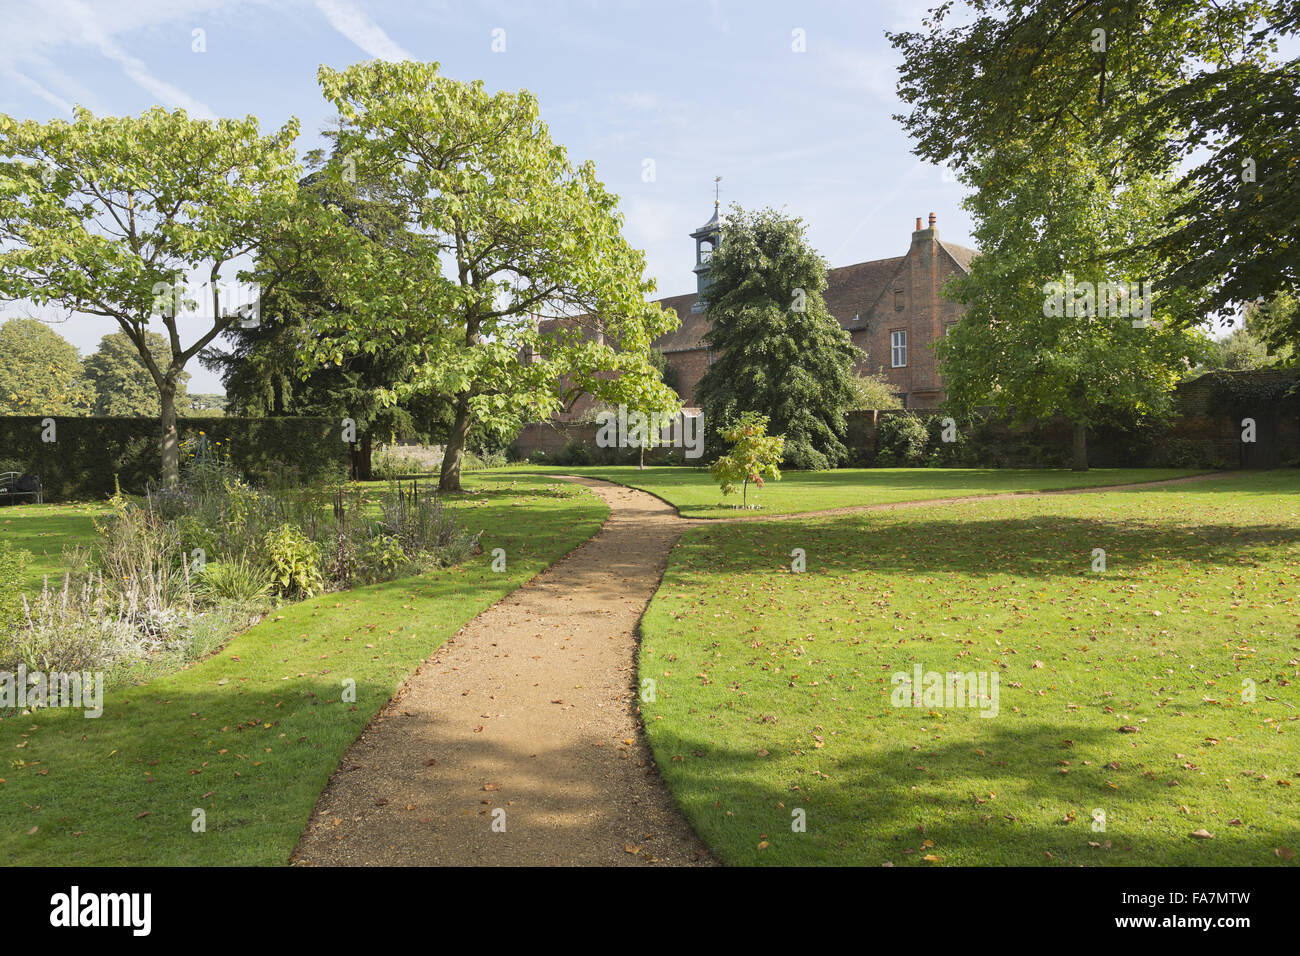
<point>701,89</point>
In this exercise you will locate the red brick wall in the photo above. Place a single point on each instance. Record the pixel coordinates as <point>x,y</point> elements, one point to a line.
<point>924,315</point>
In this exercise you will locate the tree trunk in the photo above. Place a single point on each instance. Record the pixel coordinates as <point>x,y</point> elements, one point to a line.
<point>1080,447</point>
<point>449,479</point>
<point>170,444</point>
<point>365,465</point>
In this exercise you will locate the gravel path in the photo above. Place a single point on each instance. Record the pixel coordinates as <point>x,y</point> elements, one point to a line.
<point>530,709</point>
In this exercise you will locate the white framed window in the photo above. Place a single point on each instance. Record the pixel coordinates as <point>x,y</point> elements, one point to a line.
<point>898,348</point>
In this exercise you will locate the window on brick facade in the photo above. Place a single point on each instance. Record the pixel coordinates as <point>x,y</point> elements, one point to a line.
<point>898,348</point>
<point>948,327</point>
<point>898,300</point>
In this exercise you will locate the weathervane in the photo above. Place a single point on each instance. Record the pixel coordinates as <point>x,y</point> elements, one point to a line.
<point>716,189</point>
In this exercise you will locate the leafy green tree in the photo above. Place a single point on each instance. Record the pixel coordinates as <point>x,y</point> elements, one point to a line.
<point>500,229</point>
<point>1276,323</point>
<point>1186,87</point>
<point>40,371</point>
<point>121,382</point>
<point>1041,335</point>
<point>204,403</point>
<point>754,456</point>
<point>874,392</point>
<point>112,216</point>
<point>777,349</point>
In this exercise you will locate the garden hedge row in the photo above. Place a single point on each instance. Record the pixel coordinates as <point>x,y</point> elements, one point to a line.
<point>89,452</point>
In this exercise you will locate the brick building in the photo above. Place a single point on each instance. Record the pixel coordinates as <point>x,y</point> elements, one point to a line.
<point>891,308</point>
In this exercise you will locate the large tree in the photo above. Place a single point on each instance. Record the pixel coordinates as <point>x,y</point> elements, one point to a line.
<point>777,349</point>
<point>1051,325</point>
<point>40,371</point>
<point>118,216</point>
<point>122,383</point>
<point>501,231</point>
<point>1186,86</point>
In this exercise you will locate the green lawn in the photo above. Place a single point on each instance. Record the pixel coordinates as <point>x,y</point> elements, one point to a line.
<point>773,688</point>
<point>695,494</point>
<point>252,734</point>
<point>45,531</point>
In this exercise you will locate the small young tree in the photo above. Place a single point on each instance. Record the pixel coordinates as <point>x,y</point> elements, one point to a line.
<point>778,350</point>
<point>754,456</point>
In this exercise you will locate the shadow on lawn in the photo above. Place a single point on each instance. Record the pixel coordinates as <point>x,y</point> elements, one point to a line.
<point>970,544</point>
<point>872,810</point>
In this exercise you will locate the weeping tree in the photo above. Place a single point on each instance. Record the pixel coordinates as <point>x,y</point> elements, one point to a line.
<point>501,231</point>
<point>779,352</point>
<point>143,220</point>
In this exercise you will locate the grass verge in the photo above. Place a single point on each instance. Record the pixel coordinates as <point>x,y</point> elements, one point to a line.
<point>774,688</point>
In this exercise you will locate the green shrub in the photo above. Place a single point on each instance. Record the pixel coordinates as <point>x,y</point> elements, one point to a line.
<point>1186,453</point>
<point>294,561</point>
<point>901,440</point>
<point>874,392</point>
<point>383,557</point>
<point>74,628</point>
<point>238,581</point>
<point>143,562</point>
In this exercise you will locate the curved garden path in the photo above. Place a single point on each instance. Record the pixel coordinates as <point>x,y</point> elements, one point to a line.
<point>531,708</point>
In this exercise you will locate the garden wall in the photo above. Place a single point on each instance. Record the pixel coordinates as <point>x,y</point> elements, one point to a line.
<point>1204,431</point>
<point>89,452</point>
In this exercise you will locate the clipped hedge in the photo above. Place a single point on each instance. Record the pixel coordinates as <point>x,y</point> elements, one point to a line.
<point>89,452</point>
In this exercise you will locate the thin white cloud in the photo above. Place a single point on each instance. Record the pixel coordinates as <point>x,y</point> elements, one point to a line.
<point>27,83</point>
<point>344,17</point>
<point>82,22</point>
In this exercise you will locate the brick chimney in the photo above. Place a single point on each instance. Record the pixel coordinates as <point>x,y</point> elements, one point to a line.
<point>918,223</point>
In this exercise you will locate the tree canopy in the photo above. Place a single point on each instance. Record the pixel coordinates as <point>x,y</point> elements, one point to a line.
<point>1189,87</point>
<point>500,231</point>
<point>122,384</point>
<point>40,371</point>
<point>1051,325</point>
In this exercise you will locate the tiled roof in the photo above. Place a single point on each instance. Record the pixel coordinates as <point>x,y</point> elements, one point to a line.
<point>961,255</point>
<point>851,291</point>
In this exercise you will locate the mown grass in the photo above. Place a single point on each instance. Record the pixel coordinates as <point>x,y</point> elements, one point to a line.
<point>773,687</point>
<point>695,494</point>
<point>251,735</point>
<point>46,531</point>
